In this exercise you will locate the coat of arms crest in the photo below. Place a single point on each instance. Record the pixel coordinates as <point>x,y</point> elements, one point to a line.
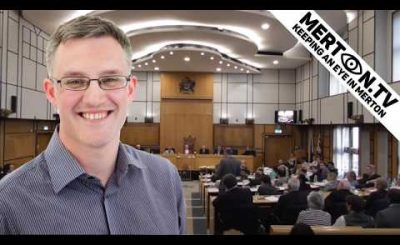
<point>187,85</point>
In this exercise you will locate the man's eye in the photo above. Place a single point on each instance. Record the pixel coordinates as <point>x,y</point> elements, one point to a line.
<point>74,82</point>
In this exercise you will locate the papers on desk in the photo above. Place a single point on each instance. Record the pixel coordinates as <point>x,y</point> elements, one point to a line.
<point>270,198</point>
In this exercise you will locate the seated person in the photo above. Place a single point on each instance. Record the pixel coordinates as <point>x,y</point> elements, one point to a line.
<point>266,187</point>
<point>257,178</point>
<point>139,147</point>
<point>234,208</point>
<point>249,151</point>
<point>204,150</point>
<point>315,215</point>
<point>169,150</point>
<point>303,183</point>
<point>332,182</point>
<point>231,151</point>
<point>335,202</point>
<point>244,171</point>
<point>219,150</point>
<point>331,167</point>
<point>282,175</point>
<point>352,178</point>
<point>289,205</point>
<point>369,177</point>
<point>356,216</point>
<point>378,199</point>
<point>390,216</point>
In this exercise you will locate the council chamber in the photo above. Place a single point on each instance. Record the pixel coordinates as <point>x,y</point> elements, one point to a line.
<point>265,139</point>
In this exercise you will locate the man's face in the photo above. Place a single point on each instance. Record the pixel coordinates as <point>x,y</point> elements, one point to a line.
<point>92,117</point>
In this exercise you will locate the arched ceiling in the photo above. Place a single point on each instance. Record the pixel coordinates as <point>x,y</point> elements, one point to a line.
<point>233,37</point>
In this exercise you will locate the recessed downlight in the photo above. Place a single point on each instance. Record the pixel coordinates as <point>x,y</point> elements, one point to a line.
<point>139,66</point>
<point>154,61</point>
<point>221,62</point>
<point>218,69</point>
<point>187,59</point>
<point>265,26</point>
<point>162,57</point>
<point>275,62</point>
<point>228,64</point>
<point>202,53</point>
<point>171,52</point>
<point>156,68</point>
<point>146,64</point>
<point>212,57</point>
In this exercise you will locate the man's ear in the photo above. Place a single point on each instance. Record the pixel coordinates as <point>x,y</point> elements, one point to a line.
<point>132,88</point>
<point>50,90</point>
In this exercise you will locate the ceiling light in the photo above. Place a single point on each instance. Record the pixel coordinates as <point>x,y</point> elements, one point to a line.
<point>154,61</point>
<point>211,58</point>
<point>221,62</point>
<point>235,67</point>
<point>146,64</point>
<point>265,26</point>
<point>171,53</point>
<point>202,53</point>
<point>133,67</point>
<point>275,62</point>
<point>162,57</point>
<point>139,66</point>
<point>228,64</point>
<point>218,69</point>
<point>187,59</point>
<point>247,71</point>
<point>241,69</point>
<point>156,68</point>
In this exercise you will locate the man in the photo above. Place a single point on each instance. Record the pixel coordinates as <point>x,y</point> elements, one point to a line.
<point>390,216</point>
<point>228,165</point>
<point>87,181</point>
<point>234,208</point>
<point>204,150</point>
<point>369,178</point>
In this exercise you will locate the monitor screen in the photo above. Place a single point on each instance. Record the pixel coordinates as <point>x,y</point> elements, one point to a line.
<point>288,116</point>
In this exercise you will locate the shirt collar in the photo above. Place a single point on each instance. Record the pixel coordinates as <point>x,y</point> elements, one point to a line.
<point>64,167</point>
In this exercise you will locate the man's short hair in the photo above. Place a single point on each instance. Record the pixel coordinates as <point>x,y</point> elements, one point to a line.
<point>357,203</point>
<point>293,184</point>
<point>394,195</point>
<point>266,179</point>
<point>85,27</point>
<point>229,181</point>
<point>315,200</point>
<point>381,184</point>
<point>344,184</point>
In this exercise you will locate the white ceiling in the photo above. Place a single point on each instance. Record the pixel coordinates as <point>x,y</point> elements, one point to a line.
<point>230,36</point>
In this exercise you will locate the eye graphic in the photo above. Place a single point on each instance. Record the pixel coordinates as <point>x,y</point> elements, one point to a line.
<point>351,64</point>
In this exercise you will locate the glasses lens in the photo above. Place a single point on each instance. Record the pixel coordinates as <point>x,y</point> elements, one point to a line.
<point>112,82</point>
<point>74,83</point>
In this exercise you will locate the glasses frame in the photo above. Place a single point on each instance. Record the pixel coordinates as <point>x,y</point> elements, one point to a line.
<point>127,79</point>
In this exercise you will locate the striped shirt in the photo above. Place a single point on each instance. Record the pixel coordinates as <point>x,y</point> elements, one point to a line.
<point>314,217</point>
<point>52,194</point>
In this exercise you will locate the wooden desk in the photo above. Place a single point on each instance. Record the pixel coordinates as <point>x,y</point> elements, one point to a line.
<point>335,230</point>
<point>195,162</point>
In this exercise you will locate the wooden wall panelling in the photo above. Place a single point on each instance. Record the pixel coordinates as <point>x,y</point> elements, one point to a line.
<point>19,140</point>
<point>181,118</point>
<point>204,85</point>
<point>238,136</point>
<point>145,134</point>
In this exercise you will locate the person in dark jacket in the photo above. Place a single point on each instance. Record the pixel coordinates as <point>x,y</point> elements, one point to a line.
<point>266,187</point>
<point>335,202</point>
<point>390,216</point>
<point>378,199</point>
<point>228,165</point>
<point>356,215</point>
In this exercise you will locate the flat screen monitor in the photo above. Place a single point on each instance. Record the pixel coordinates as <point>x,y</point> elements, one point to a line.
<point>285,116</point>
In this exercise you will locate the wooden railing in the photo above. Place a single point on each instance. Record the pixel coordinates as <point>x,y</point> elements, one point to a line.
<point>335,230</point>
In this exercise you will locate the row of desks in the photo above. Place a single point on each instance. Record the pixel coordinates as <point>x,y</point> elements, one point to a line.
<point>208,193</point>
<point>195,162</point>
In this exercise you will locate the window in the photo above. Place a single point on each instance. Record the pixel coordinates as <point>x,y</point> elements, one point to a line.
<point>346,149</point>
<point>335,86</point>
<point>396,47</point>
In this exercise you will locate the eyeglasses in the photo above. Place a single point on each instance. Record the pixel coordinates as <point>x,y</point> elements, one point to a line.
<point>82,83</point>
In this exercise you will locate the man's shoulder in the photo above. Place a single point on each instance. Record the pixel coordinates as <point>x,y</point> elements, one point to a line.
<point>24,175</point>
<point>149,160</point>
